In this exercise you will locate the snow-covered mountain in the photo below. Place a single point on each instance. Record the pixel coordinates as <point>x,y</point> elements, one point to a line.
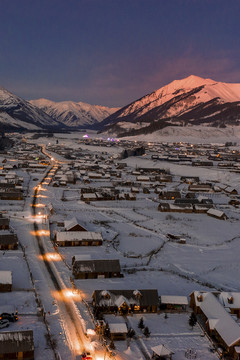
<point>190,101</point>
<point>187,102</point>
<point>16,113</point>
<point>74,114</point>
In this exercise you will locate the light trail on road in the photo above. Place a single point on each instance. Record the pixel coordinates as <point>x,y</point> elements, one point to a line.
<point>65,297</point>
<point>72,324</point>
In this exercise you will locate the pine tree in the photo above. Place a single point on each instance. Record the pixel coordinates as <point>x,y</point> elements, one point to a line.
<point>192,320</point>
<point>131,333</point>
<point>146,332</point>
<point>141,324</point>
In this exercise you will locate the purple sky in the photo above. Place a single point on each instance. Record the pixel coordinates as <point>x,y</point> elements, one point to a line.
<point>112,52</point>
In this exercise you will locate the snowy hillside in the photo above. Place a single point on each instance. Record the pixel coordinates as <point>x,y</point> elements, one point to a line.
<point>74,114</point>
<point>192,134</point>
<point>192,100</point>
<point>16,113</point>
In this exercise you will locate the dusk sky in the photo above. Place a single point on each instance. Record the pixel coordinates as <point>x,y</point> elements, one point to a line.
<point>112,52</point>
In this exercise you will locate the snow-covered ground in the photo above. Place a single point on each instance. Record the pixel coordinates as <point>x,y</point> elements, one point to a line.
<point>192,134</point>
<point>173,332</point>
<point>134,232</point>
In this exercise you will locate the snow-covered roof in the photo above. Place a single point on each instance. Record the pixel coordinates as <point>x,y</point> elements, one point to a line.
<point>135,189</point>
<point>180,206</point>
<point>230,189</point>
<point>143,178</point>
<point>78,236</point>
<point>212,323</point>
<point>137,293</point>
<point>227,328</point>
<point>94,175</point>
<point>5,277</point>
<point>120,328</point>
<point>202,207</point>
<point>201,197</point>
<point>173,299</point>
<point>89,196</point>
<point>162,350</point>
<point>68,224</point>
<point>149,297</point>
<point>80,257</point>
<point>215,212</point>
<point>10,176</point>
<point>63,178</point>
<point>121,300</point>
<point>199,187</point>
<point>230,299</point>
<point>105,293</point>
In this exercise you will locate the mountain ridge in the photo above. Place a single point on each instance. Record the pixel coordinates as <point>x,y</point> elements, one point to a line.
<point>185,102</point>
<point>17,113</point>
<point>188,101</point>
<point>74,114</point>
<point>42,114</point>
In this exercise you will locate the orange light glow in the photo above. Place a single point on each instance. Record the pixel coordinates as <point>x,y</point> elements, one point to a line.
<point>77,346</point>
<point>39,188</point>
<point>50,257</point>
<point>40,232</point>
<point>67,295</point>
<point>99,357</point>
<point>91,332</point>
<point>38,205</point>
<point>38,216</point>
<point>41,196</point>
<point>44,232</point>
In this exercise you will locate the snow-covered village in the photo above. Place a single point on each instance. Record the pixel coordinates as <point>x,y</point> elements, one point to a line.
<point>119,180</point>
<point>119,249</point>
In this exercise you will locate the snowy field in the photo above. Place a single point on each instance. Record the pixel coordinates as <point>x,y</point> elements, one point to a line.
<point>134,230</point>
<point>193,134</point>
